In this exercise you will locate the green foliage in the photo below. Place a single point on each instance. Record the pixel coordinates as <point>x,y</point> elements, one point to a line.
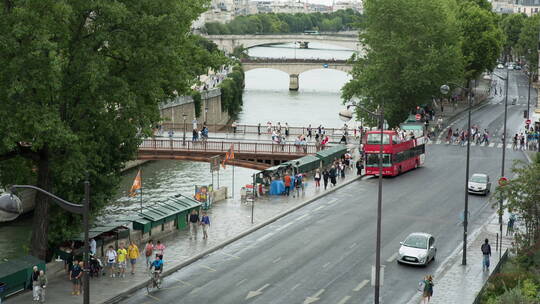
<point>528,41</point>
<point>239,52</point>
<point>482,39</point>
<point>286,23</point>
<point>80,85</point>
<point>511,26</point>
<point>413,48</point>
<point>196,95</point>
<point>231,91</point>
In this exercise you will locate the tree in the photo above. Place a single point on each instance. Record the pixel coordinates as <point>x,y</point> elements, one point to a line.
<point>511,26</point>
<point>482,39</point>
<point>528,41</point>
<point>80,85</point>
<point>522,196</point>
<point>412,48</point>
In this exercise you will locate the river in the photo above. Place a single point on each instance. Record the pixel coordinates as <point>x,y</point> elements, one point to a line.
<point>266,98</point>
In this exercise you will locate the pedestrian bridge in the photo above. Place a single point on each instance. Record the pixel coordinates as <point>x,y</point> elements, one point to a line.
<point>229,42</point>
<point>294,67</point>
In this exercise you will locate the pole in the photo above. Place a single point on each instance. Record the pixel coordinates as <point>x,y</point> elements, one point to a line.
<point>184,137</point>
<point>379,211</point>
<point>232,190</point>
<point>466,208</point>
<point>529,97</point>
<point>503,156</point>
<point>141,198</point>
<point>86,215</point>
<point>253,200</point>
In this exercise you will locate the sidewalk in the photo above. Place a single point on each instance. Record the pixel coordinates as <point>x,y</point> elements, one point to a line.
<point>230,220</point>
<point>456,283</point>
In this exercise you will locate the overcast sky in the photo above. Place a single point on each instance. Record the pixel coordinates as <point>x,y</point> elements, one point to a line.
<point>327,2</point>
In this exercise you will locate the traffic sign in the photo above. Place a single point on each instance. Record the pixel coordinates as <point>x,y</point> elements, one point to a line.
<point>528,122</point>
<point>503,181</point>
<point>418,116</point>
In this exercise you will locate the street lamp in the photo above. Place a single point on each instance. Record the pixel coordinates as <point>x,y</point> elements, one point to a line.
<point>504,150</point>
<point>445,89</point>
<point>83,209</point>
<point>205,115</point>
<point>184,137</point>
<point>346,115</point>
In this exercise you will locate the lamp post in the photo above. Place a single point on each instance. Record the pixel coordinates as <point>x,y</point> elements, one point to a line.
<point>83,209</point>
<point>445,89</point>
<point>346,115</point>
<point>503,151</point>
<point>205,115</point>
<point>184,137</point>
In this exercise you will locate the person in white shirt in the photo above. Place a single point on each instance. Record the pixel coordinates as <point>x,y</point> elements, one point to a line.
<point>111,260</point>
<point>93,246</point>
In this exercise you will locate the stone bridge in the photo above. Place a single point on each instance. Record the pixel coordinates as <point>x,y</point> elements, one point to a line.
<point>229,42</point>
<point>294,67</point>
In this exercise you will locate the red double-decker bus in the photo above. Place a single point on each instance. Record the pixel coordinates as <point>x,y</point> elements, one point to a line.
<point>398,155</point>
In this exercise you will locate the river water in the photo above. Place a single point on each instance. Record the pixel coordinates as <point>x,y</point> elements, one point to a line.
<point>266,98</point>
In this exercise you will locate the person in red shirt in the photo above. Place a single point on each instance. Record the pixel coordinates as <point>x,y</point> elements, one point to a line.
<point>287,182</point>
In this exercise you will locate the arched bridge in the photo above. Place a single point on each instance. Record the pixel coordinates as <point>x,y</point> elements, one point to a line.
<point>294,67</point>
<point>229,42</point>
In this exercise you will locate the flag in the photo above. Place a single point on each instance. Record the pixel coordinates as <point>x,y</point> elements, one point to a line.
<point>228,155</point>
<point>137,185</point>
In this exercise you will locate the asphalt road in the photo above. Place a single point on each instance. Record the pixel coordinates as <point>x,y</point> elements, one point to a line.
<point>323,252</point>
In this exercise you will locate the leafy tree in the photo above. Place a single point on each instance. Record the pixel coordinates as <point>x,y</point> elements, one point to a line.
<point>522,196</point>
<point>413,48</point>
<point>482,39</point>
<point>511,25</point>
<point>80,85</point>
<point>528,41</point>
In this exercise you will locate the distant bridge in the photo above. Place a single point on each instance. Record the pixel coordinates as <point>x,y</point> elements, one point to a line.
<point>294,67</point>
<point>229,42</point>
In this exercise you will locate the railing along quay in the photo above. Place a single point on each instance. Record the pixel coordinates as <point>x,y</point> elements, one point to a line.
<point>252,129</point>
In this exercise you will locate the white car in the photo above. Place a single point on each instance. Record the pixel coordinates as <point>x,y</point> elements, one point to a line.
<point>417,249</point>
<point>500,66</point>
<point>479,184</point>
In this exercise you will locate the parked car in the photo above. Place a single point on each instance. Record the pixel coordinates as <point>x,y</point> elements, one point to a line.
<point>500,66</point>
<point>417,249</point>
<point>517,67</point>
<point>479,184</point>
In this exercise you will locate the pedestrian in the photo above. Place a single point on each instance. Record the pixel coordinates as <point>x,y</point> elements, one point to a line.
<point>75,278</point>
<point>297,184</point>
<point>133,255</point>
<point>428,289</point>
<point>510,225</point>
<point>93,246</point>
<point>111,260</point>
<point>333,175</point>
<point>35,283</point>
<point>359,167</point>
<point>317,178</point>
<point>193,222</point>
<point>195,135</point>
<point>148,251</point>
<point>286,129</point>
<point>342,169</point>
<point>309,131</point>
<point>287,183</point>
<point>122,260</point>
<point>325,175</point>
<point>205,223</point>
<point>486,252</point>
<point>259,129</point>
<point>233,125</point>
<point>42,283</point>
<point>160,249</point>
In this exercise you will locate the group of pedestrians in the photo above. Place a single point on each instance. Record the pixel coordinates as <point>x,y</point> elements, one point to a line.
<point>459,137</point>
<point>39,283</point>
<point>117,260</point>
<point>294,183</point>
<point>195,221</point>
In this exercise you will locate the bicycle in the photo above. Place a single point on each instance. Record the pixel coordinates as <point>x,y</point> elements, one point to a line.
<point>155,281</point>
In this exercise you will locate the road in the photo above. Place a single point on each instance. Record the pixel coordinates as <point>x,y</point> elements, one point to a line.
<point>323,252</point>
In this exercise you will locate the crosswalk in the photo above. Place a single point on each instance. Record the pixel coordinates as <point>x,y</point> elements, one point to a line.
<point>497,145</point>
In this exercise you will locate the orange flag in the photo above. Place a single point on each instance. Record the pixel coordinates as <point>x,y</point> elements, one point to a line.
<point>137,185</point>
<point>228,155</point>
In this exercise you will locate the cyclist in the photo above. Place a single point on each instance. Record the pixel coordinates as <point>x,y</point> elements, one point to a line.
<point>158,268</point>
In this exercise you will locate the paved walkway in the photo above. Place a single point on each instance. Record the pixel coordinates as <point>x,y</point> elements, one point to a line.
<point>457,283</point>
<point>228,219</point>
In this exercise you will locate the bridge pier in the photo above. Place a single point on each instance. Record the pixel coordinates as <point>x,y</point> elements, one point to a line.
<point>293,82</point>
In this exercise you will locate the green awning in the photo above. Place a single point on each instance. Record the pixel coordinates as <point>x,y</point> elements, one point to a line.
<point>305,164</point>
<point>166,210</point>
<point>98,230</point>
<point>328,155</point>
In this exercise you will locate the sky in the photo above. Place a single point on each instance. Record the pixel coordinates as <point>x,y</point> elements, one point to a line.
<point>327,2</point>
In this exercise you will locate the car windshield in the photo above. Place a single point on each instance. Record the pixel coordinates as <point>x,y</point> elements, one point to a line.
<point>416,241</point>
<point>479,179</point>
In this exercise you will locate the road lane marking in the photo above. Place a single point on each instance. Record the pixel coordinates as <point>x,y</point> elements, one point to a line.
<point>314,298</point>
<point>509,146</point>
<point>257,292</point>
<point>319,208</point>
<point>492,145</point>
<point>344,300</point>
<point>208,268</point>
<point>240,282</point>
<point>284,226</point>
<point>294,287</point>
<point>230,255</point>
<point>151,296</point>
<point>299,218</point>
<point>499,145</point>
<point>195,290</point>
<point>264,237</point>
<point>473,143</point>
<point>392,258</point>
<point>331,201</point>
<point>184,282</point>
<point>326,265</point>
<point>276,260</point>
<point>352,245</point>
<point>361,285</point>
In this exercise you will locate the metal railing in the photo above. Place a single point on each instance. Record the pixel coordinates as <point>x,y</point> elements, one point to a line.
<point>251,129</point>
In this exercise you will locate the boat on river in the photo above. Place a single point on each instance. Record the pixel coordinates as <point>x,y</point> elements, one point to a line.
<point>11,207</point>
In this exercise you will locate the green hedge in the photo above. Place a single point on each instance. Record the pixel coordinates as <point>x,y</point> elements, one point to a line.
<point>231,91</point>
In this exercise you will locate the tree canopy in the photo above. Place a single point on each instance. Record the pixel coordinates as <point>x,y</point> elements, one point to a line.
<point>528,41</point>
<point>413,46</point>
<point>285,23</point>
<point>80,85</point>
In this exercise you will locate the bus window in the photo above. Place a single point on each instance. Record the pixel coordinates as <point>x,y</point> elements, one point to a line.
<point>375,139</point>
<point>372,160</point>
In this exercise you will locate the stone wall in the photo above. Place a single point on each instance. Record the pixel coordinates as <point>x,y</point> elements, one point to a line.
<point>173,111</point>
